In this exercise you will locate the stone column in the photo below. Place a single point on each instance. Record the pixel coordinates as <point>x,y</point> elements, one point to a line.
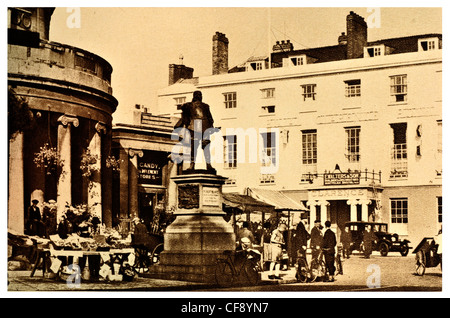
<point>133,206</point>
<point>94,199</point>
<point>323,211</point>
<point>124,162</point>
<point>365,210</point>
<point>312,212</point>
<point>16,211</point>
<point>353,210</point>
<point>64,188</point>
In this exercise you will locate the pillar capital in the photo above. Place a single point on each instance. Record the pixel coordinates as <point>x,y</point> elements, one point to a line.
<point>312,202</point>
<point>132,152</point>
<point>68,119</point>
<point>353,202</point>
<point>100,127</point>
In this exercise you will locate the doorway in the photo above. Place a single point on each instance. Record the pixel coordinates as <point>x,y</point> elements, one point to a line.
<point>339,214</point>
<point>146,207</point>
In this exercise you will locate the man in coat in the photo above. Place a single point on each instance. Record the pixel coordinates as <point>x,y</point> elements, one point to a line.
<point>316,239</point>
<point>368,238</point>
<point>328,247</point>
<point>301,238</point>
<point>197,118</point>
<point>346,240</point>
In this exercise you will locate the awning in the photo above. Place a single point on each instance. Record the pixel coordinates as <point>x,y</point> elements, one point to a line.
<point>246,203</point>
<point>276,198</point>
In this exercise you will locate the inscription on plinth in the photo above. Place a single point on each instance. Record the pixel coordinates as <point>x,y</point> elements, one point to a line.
<point>211,196</point>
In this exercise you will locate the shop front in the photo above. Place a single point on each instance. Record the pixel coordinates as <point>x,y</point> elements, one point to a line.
<point>344,204</point>
<point>143,184</point>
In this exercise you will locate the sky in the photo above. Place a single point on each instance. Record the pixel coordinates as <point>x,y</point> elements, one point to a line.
<point>140,43</point>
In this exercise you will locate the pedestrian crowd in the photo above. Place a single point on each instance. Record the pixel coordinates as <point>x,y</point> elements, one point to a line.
<point>273,241</point>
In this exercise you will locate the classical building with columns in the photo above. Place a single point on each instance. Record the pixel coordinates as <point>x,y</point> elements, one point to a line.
<point>142,188</point>
<point>68,91</point>
<point>353,130</point>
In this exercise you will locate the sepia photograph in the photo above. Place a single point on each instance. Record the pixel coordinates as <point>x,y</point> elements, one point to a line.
<point>227,150</point>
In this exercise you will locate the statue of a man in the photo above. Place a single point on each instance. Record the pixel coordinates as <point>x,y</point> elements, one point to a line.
<point>197,118</point>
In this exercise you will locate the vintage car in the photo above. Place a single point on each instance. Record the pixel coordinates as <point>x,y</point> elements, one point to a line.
<point>386,242</point>
<point>428,253</point>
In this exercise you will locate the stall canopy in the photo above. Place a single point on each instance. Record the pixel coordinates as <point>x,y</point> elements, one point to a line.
<point>278,199</point>
<point>246,203</point>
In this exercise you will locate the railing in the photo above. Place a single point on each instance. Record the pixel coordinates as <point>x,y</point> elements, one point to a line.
<point>344,178</point>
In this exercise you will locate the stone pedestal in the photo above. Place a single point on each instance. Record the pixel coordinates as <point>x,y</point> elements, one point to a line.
<point>199,233</point>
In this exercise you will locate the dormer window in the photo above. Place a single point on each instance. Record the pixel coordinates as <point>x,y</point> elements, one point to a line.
<point>373,51</point>
<point>294,61</point>
<point>256,64</point>
<point>428,44</point>
<point>298,60</point>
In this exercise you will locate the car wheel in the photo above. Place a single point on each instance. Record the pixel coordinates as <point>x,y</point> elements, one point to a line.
<point>404,249</point>
<point>384,249</point>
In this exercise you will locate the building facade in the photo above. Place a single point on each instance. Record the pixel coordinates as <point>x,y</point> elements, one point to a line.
<point>142,184</point>
<point>63,155</point>
<point>353,130</point>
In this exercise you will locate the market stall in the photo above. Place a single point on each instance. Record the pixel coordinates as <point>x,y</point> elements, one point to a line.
<point>99,257</point>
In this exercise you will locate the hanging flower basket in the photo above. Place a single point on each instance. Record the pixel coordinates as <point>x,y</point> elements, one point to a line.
<point>113,163</point>
<point>48,159</point>
<point>89,163</point>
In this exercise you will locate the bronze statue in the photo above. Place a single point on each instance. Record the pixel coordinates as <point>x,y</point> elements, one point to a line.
<point>197,118</point>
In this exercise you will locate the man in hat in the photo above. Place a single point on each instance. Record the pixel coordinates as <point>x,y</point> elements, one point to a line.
<point>197,118</point>
<point>316,239</point>
<point>33,218</point>
<point>328,247</point>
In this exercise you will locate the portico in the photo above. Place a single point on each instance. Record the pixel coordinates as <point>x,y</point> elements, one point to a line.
<point>343,205</point>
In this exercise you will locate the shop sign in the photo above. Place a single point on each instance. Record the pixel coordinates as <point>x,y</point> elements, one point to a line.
<point>150,170</point>
<point>341,178</point>
<point>338,194</point>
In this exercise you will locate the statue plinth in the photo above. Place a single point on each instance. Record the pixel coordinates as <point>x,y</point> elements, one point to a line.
<point>199,233</point>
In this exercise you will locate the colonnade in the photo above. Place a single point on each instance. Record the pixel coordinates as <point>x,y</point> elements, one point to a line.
<point>324,204</point>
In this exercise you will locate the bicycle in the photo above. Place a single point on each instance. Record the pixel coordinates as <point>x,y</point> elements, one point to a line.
<point>237,265</point>
<point>303,270</point>
<point>317,268</point>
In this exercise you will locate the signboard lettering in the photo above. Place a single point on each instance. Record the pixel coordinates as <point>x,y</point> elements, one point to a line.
<point>150,168</point>
<point>341,178</point>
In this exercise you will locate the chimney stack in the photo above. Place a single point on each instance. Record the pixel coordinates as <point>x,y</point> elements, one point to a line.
<point>284,46</point>
<point>356,35</point>
<point>179,71</point>
<point>219,54</point>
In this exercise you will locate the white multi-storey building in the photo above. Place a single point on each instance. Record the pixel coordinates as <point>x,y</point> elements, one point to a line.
<point>353,131</point>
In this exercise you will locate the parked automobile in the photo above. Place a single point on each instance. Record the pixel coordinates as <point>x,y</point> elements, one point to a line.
<point>386,242</point>
<point>428,253</point>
